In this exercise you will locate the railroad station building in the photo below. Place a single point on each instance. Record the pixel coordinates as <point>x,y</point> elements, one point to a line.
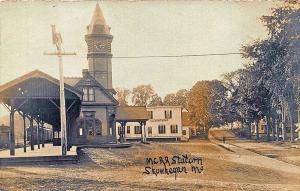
<point>91,109</point>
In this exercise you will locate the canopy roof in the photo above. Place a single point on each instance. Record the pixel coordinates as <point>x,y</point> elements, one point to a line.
<point>131,114</point>
<point>37,94</point>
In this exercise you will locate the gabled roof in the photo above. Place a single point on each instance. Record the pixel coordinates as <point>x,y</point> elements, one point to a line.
<point>98,24</point>
<point>94,82</point>
<point>72,81</point>
<point>131,113</point>
<point>38,74</point>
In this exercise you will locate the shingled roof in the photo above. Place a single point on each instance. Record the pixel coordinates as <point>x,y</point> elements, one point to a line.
<point>131,113</point>
<point>38,74</point>
<point>72,81</point>
<point>98,24</point>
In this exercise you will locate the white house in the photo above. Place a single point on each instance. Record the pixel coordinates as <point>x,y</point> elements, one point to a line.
<point>165,123</point>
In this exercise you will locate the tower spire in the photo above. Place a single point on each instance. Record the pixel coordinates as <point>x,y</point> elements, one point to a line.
<point>98,24</point>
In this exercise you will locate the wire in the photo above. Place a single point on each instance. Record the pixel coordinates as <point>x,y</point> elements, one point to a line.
<point>176,56</point>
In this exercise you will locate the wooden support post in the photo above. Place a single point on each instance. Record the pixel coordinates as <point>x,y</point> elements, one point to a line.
<point>143,131</point>
<point>67,132</point>
<point>122,133</point>
<point>52,135</point>
<point>144,127</point>
<point>12,129</point>
<point>114,128</point>
<point>31,134</point>
<point>38,134</point>
<point>24,132</point>
<point>43,135</point>
<point>141,126</point>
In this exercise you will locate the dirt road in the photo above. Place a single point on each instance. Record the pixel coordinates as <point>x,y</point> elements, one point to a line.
<point>122,169</point>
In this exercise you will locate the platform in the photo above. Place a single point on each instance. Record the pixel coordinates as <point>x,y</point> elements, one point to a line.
<point>47,155</point>
<point>108,146</point>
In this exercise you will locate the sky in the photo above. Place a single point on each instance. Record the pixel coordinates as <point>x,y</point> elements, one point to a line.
<point>139,28</point>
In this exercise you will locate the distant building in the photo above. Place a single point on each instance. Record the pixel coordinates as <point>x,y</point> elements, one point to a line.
<point>4,135</point>
<point>165,123</point>
<point>189,129</point>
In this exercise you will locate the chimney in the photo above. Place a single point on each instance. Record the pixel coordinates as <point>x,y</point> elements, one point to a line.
<point>84,72</point>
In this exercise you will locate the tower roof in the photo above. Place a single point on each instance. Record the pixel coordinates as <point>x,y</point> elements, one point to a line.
<point>98,24</point>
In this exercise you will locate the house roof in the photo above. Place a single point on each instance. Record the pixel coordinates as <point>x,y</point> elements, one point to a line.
<point>186,119</point>
<point>164,106</point>
<point>37,74</point>
<point>87,75</point>
<point>131,113</point>
<point>72,81</point>
<point>98,24</point>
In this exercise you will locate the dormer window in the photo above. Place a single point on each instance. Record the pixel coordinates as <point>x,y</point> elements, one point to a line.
<point>88,94</point>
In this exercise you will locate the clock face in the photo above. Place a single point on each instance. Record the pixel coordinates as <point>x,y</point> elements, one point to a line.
<point>100,46</point>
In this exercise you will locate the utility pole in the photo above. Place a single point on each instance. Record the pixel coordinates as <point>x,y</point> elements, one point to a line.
<point>57,40</point>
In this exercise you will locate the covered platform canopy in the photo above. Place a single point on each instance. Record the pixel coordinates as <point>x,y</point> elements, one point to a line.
<point>36,96</point>
<point>132,114</point>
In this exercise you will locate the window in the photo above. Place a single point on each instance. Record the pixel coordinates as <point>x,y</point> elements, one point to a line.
<point>88,94</point>
<point>183,132</point>
<point>168,114</point>
<point>149,130</point>
<point>128,129</point>
<point>137,130</point>
<point>161,129</point>
<point>91,94</point>
<point>85,94</point>
<point>174,128</point>
<point>150,114</point>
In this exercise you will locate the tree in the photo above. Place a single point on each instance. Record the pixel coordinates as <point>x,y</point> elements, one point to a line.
<point>180,98</point>
<point>155,100</point>
<point>218,107</point>
<point>277,58</point>
<point>170,100</point>
<point>122,96</point>
<point>207,103</point>
<point>142,94</point>
<point>199,103</point>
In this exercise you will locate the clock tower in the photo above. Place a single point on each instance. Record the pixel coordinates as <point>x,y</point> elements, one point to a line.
<point>99,39</point>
